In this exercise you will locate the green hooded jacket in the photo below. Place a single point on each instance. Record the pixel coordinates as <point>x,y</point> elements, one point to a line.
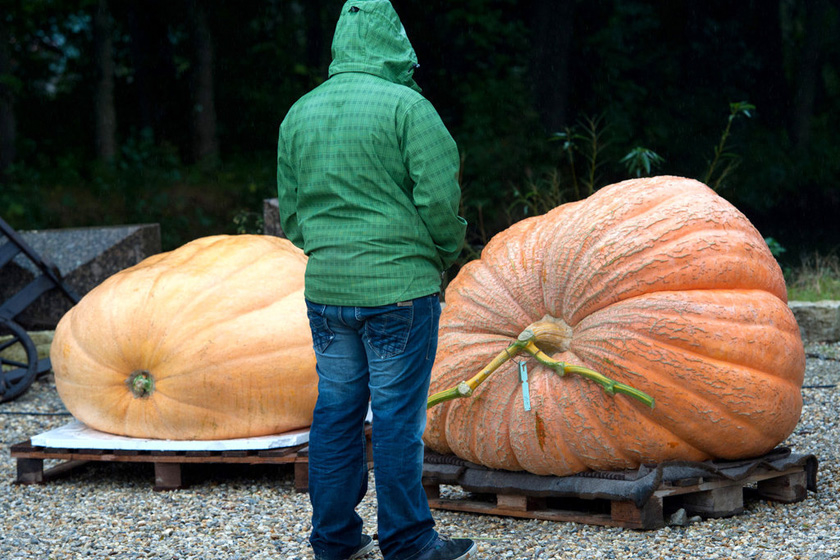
<point>367,172</point>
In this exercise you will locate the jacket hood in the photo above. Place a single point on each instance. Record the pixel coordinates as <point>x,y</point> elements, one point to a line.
<point>370,38</point>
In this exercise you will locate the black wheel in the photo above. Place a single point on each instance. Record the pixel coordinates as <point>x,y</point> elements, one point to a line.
<point>18,360</point>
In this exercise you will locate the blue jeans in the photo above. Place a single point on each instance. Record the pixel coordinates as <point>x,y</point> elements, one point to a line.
<point>383,355</point>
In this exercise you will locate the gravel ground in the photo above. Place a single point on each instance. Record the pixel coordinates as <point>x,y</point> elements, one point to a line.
<point>109,510</point>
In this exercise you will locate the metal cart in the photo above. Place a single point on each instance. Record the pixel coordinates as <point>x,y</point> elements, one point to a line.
<point>16,372</point>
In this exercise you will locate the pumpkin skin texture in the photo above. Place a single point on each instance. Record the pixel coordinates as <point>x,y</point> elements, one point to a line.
<point>219,324</point>
<point>658,283</point>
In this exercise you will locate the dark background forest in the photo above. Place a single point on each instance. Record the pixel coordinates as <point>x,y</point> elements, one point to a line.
<point>130,111</point>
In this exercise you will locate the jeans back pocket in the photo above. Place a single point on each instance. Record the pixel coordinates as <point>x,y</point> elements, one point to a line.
<point>322,336</point>
<point>388,332</point>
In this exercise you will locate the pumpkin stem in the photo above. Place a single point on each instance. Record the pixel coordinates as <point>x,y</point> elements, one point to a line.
<point>525,343</point>
<point>553,334</point>
<point>141,383</point>
<point>611,386</point>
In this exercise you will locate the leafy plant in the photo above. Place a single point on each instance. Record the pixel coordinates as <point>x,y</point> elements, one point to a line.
<point>776,248</point>
<point>141,153</point>
<point>588,140</point>
<point>249,222</point>
<point>639,160</point>
<point>538,197</point>
<point>583,152</point>
<point>721,153</point>
<point>569,138</point>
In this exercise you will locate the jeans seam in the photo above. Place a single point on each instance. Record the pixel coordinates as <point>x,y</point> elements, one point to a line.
<point>431,324</point>
<point>432,338</point>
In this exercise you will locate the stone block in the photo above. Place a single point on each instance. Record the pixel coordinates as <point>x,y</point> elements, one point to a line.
<point>271,218</point>
<point>84,258</point>
<point>819,321</point>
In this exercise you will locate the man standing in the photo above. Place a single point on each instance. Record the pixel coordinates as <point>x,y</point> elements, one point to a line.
<point>367,184</point>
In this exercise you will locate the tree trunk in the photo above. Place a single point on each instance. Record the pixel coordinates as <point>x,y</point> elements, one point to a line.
<point>314,34</point>
<point>808,71</point>
<point>154,71</point>
<point>319,33</point>
<point>553,28</point>
<point>771,94</point>
<point>105,113</point>
<point>205,139</point>
<point>8,124</point>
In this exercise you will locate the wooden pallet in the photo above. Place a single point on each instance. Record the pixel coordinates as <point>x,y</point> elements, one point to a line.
<point>697,496</point>
<point>167,464</point>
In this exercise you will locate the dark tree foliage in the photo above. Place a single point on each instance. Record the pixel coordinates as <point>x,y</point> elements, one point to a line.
<point>545,99</point>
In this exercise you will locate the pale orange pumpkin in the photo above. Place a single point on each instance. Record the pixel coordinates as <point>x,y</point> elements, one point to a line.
<point>658,283</point>
<point>210,341</point>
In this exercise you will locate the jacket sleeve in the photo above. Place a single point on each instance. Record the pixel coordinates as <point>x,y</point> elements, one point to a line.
<point>431,157</point>
<point>287,193</point>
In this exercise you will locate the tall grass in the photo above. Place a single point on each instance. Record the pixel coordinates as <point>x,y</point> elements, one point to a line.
<point>816,278</point>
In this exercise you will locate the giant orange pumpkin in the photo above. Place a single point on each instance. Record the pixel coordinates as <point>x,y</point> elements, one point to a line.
<point>657,283</point>
<point>209,341</point>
